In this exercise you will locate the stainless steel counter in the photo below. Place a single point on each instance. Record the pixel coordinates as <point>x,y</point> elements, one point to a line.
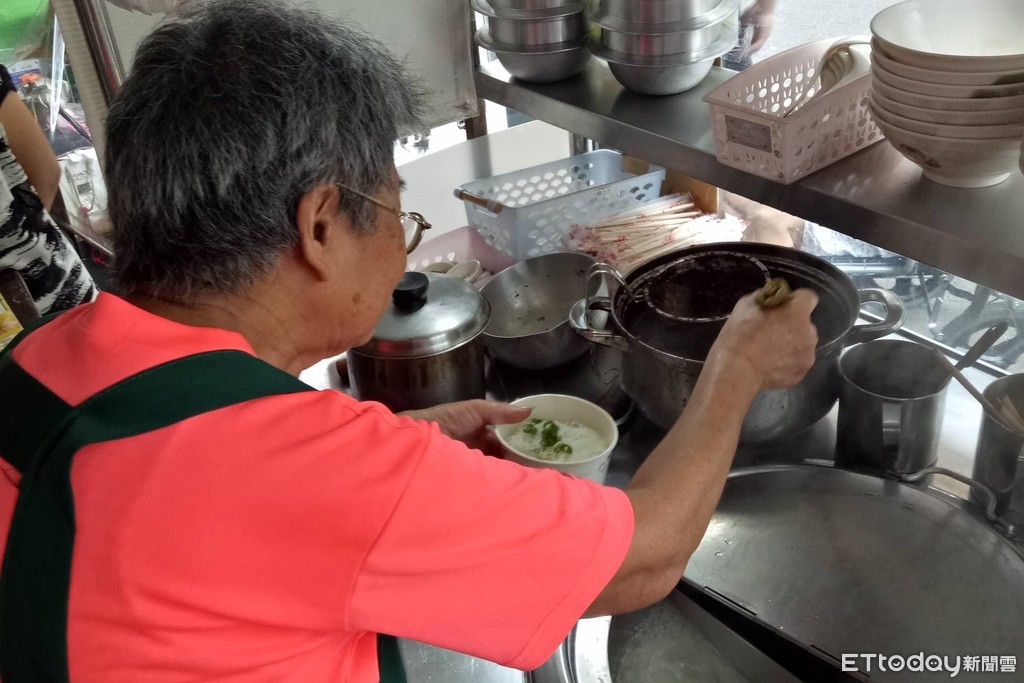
<point>875,195</point>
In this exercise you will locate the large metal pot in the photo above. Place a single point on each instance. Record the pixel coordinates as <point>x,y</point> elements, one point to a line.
<point>665,358</point>
<point>426,348</point>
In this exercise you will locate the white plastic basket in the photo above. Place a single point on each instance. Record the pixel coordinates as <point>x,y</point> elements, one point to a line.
<point>752,135</point>
<point>539,205</point>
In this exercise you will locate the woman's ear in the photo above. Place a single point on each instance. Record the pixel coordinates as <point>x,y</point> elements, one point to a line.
<point>322,228</point>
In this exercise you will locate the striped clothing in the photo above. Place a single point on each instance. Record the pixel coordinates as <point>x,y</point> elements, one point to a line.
<point>31,243</point>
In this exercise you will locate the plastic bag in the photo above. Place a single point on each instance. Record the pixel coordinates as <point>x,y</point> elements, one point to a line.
<point>24,28</point>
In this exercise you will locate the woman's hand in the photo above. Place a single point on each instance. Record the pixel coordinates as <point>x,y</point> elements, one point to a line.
<point>468,421</point>
<point>778,346</point>
<point>761,16</point>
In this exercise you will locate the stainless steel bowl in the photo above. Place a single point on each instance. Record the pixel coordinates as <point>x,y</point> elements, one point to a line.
<point>665,44</point>
<point>726,11</point>
<point>489,9</point>
<point>538,65</point>
<point>666,74</point>
<point>661,80</point>
<point>537,31</point>
<point>530,5</point>
<point>530,305</point>
<point>653,11</point>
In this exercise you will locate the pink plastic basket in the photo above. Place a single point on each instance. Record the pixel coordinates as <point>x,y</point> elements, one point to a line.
<point>751,133</point>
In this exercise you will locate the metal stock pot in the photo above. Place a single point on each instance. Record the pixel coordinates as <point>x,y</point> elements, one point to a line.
<point>426,348</point>
<point>666,356</point>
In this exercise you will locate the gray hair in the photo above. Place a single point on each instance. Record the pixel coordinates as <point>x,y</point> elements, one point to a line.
<point>232,112</point>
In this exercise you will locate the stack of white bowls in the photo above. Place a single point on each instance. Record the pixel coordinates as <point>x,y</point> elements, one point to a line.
<point>663,47</point>
<point>535,40</point>
<point>948,86</point>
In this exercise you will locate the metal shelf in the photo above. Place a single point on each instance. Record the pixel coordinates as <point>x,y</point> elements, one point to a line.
<point>875,195</point>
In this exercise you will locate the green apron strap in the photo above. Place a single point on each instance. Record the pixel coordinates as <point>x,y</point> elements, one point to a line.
<point>35,582</point>
<point>28,411</point>
<point>389,660</point>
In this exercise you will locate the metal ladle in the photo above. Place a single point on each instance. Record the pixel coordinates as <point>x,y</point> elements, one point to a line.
<point>977,350</point>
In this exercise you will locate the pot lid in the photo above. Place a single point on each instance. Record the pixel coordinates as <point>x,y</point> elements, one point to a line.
<point>429,314</point>
<point>848,563</point>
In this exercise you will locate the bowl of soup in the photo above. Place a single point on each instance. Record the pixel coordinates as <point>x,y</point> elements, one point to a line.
<point>564,433</point>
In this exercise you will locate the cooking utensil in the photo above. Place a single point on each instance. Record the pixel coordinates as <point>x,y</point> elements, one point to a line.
<point>999,456</point>
<point>996,410</point>
<point>976,351</point>
<point>426,348</point>
<point>530,303</point>
<point>890,407</point>
<point>666,356</point>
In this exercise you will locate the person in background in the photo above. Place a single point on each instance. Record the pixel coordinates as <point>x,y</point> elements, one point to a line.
<point>30,242</point>
<point>228,523</point>
<point>756,23</point>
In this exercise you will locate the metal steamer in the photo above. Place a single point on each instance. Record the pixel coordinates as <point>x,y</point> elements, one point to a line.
<point>665,355</point>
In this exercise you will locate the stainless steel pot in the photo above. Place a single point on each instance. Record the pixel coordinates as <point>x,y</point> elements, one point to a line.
<point>426,348</point>
<point>664,359</point>
<point>530,304</point>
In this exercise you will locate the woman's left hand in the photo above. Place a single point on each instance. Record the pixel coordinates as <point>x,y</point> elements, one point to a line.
<point>468,421</point>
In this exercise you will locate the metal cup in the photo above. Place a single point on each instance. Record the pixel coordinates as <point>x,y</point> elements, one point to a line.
<point>998,460</point>
<point>890,413</point>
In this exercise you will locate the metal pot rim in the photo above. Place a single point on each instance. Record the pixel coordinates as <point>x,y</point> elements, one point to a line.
<point>768,252</point>
<point>361,351</point>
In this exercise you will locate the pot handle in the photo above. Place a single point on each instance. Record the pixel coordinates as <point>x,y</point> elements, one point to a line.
<point>986,492</point>
<point>893,317</point>
<point>579,321</point>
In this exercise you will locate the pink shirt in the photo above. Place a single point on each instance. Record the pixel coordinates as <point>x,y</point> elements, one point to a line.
<point>271,540</point>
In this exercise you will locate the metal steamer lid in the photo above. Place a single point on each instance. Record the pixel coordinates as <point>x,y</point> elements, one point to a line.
<point>845,563</point>
<point>429,314</point>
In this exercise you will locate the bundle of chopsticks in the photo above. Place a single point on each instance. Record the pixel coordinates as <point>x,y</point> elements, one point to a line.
<point>629,239</point>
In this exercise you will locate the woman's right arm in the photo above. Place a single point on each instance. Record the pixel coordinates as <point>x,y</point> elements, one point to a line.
<point>676,490</point>
<point>30,148</point>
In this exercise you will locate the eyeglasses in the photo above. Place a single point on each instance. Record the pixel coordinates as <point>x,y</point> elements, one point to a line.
<point>413,224</point>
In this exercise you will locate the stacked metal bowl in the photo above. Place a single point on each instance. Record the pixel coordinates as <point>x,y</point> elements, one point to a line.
<point>663,47</point>
<point>535,40</point>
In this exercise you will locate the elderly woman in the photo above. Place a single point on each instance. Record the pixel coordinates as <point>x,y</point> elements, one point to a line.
<point>178,507</point>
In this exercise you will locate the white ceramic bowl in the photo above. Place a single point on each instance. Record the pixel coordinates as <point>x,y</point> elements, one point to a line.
<point>566,408</point>
<point>943,77</point>
<point>879,72</point>
<point>957,163</point>
<point>953,35</point>
<point>996,117</point>
<point>958,132</point>
<point>951,104</point>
